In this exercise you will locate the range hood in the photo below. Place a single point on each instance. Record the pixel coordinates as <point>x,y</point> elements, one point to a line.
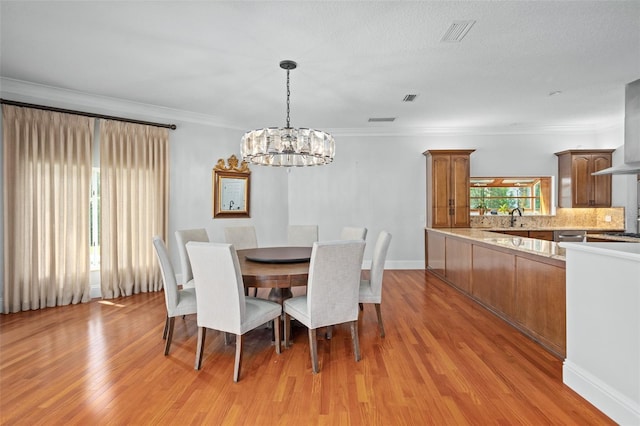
<point>631,133</point>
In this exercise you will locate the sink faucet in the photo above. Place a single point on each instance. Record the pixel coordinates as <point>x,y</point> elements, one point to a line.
<point>513,218</point>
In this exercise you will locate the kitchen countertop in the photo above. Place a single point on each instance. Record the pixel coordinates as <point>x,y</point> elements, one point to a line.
<point>618,238</point>
<point>550,228</point>
<point>548,249</point>
<point>621,250</point>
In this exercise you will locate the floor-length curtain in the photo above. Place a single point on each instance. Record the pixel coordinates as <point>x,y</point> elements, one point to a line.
<point>47,179</point>
<point>134,180</point>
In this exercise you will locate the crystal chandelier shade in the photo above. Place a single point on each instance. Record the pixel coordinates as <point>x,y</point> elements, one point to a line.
<point>287,146</point>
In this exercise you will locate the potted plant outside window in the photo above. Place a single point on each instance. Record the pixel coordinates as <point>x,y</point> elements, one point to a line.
<point>482,208</point>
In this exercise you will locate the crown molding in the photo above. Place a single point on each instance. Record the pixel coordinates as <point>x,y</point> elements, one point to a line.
<point>477,131</point>
<point>24,91</point>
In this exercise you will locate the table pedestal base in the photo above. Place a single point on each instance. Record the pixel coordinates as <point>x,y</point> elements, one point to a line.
<point>279,295</point>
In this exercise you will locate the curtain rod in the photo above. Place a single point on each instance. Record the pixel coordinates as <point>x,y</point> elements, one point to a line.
<point>86,114</point>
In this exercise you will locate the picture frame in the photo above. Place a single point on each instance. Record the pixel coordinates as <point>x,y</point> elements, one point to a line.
<point>231,189</point>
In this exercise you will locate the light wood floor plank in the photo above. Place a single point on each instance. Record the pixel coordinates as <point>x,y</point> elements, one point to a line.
<point>444,361</point>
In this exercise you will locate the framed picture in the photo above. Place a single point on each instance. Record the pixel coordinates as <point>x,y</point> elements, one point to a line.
<point>231,189</point>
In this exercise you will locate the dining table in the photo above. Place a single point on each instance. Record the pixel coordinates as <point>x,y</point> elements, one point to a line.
<point>276,268</point>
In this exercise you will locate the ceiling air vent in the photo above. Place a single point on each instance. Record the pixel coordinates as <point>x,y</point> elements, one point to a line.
<point>382,119</point>
<point>457,31</point>
<point>409,98</point>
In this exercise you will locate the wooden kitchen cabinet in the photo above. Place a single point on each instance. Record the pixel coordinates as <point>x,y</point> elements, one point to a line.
<point>448,204</point>
<point>538,235</point>
<point>435,253</point>
<point>516,233</point>
<point>525,290</point>
<point>493,279</point>
<point>576,186</point>
<point>458,264</point>
<point>541,235</point>
<point>540,298</point>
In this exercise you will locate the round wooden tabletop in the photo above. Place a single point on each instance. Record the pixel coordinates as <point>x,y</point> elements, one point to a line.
<point>274,274</point>
<point>279,254</point>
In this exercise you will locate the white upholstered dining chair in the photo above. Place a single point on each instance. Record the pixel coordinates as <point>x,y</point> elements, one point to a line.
<point>302,235</point>
<point>242,237</point>
<point>332,293</point>
<point>371,289</point>
<point>179,302</point>
<point>222,304</point>
<point>353,233</point>
<point>183,236</point>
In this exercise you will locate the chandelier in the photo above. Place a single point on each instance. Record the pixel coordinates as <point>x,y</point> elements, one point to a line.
<point>287,146</point>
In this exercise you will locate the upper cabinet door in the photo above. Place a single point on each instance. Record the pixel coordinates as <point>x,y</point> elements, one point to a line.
<point>460,171</point>
<point>441,191</point>
<point>448,188</point>
<point>576,185</point>
<point>581,180</point>
<point>601,188</point>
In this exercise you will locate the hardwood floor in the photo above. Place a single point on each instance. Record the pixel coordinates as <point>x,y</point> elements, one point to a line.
<point>443,361</point>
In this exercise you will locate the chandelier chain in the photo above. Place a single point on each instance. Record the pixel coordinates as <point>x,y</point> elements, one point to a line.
<point>288,104</point>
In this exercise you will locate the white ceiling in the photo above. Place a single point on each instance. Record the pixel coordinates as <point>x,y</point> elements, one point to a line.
<point>356,60</point>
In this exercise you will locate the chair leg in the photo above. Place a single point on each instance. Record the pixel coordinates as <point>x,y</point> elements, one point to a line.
<point>227,338</point>
<point>238,364</point>
<point>202,333</point>
<point>380,324</point>
<point>356,341</point>
<point>276,328</point>
<point>329,332</point>
<point>169,334</point>
<point>361,306</point>
<point>313,348</point>
<point>166,328</point>
<point>287,330</point>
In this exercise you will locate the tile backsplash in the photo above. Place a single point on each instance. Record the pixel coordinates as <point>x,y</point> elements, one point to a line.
<point>564,218</point>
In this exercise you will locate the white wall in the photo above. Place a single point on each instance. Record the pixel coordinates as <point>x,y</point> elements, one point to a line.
<point>379,181</point>
<point>376,181</point>
<point>195,149</point>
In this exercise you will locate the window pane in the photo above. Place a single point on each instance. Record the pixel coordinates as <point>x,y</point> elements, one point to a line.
<point>94,220</point>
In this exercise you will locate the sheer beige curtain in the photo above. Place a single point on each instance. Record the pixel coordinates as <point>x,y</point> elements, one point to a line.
<point>47,179</point>
<point>134,184</point>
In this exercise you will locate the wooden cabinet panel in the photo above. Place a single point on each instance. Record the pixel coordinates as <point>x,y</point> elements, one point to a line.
<point>460,171</point>
<point>540,301</point>
<point>441,191</point>
<point>458,264</point>
<point>448,188</point>
<point>516,233</point>
<point>581,180</point>
<point>601,189</point>
<point>541,235</point>
<point>493,279</point>
<point>576,185</point>
<point>436,253</point>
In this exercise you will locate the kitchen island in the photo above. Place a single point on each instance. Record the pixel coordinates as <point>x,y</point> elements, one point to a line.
<point>603,327</point>
<point>521,280</point>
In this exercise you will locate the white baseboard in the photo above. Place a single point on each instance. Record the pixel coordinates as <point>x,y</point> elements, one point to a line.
<point>617,406</point>
<point>404,264</point>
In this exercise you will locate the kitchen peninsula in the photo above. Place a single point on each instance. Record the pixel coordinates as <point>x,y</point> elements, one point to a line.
<point>521,280</point>
<point>603,326</point>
